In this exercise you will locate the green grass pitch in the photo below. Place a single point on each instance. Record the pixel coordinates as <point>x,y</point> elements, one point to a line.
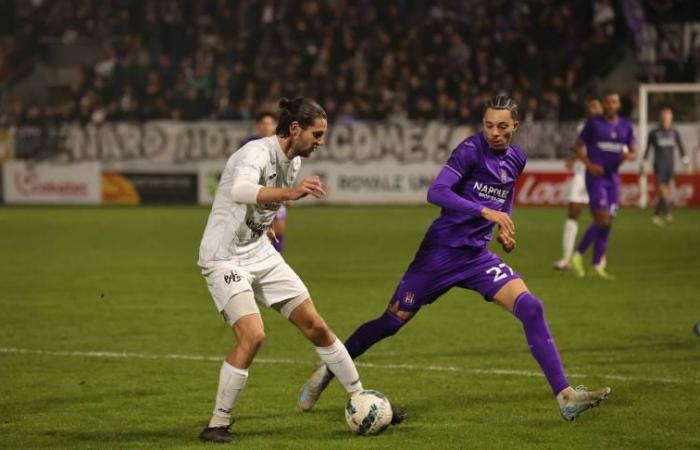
<point>108,337</point>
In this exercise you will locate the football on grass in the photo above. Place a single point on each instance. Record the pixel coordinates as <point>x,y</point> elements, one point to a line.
<point>368,412</point>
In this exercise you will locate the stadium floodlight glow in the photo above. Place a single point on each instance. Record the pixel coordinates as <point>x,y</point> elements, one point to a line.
<point>644,90</point>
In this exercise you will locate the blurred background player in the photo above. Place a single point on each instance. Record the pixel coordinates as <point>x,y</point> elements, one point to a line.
<point>663,142</point>
<point>475,190</point>
<point>266,123</point>
<point>241,267</point>
<point>603,144</point>
<point>578,195</point>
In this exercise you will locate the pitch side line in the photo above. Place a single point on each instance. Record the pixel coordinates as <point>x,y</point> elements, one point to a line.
<point>429,368</point>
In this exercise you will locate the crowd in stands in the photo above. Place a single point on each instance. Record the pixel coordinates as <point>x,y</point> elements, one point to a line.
<point>363,59</point>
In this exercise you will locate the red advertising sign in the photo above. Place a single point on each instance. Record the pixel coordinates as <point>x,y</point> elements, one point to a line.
<point>551,189</point>
<point>44,183</point>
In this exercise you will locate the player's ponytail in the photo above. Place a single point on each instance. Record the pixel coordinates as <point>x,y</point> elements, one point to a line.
<point>302,110</point>
<point>502,101</point>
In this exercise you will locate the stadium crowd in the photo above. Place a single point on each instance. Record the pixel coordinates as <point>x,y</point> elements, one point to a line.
<point>222,60</point>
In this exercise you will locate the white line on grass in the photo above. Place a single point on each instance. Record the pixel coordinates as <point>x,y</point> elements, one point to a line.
<point>429,368</point>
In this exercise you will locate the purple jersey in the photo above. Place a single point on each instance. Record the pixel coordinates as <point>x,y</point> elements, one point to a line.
<point>475,177</point>
<point>606,142</point>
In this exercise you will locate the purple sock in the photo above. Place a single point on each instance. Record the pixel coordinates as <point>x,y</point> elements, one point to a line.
<point>530,311</point>
<point>588,238</point>
<point>279,245</point>
<point>601,244</point>
<point>372,332</point>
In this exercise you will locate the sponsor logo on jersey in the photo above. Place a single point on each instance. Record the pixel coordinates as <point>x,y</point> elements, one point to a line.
<point>608,146</point>
<point>257,228</point>
<point>232,277</point>
<point>489,192</point>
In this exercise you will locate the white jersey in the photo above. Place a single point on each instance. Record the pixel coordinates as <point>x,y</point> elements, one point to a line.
<point>579,166</point>
<point>577,184</point>
<point>237,231</point>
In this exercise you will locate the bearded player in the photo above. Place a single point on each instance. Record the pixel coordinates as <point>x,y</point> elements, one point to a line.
<point>475,190</point>
<point>603,144</point>
<point>241,267</point>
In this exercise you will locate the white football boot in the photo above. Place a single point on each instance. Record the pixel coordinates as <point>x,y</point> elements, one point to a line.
<point>313,388</point>
<point>576,401</point>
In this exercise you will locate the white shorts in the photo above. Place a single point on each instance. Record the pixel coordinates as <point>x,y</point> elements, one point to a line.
<point>577,189</point>
<point>271,280</point>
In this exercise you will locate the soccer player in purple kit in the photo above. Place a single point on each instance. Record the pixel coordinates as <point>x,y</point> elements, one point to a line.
<point>475,190</point>
<point>603,144</point>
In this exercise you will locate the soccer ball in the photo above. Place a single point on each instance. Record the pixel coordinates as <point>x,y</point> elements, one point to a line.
<point>368,412</point>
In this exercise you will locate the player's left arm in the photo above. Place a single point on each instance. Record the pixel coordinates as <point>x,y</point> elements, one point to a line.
<point>681,149</point>
<point>506,238</point>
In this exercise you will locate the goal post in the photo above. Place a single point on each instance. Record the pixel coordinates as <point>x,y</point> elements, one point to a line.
<point>643,121</point>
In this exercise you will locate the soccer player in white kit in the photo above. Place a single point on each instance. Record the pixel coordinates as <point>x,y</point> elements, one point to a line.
<point>578,195</point>
<point>241,266</point>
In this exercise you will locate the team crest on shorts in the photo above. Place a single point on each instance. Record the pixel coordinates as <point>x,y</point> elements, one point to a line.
<point>409,298</point>
<point>232,276</point>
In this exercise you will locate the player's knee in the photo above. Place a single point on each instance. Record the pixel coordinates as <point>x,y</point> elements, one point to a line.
<point>530,308</point>
<point>252,341</point>
<point>318,331</point>
<point>603,221</point>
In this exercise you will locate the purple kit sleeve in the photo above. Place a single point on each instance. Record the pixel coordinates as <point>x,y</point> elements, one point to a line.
<point>441,194</point>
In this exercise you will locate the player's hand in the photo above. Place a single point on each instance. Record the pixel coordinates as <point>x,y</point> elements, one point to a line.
<point>272,236</point>
<point>595,170</point>
<point>309,186</point>
<point>686,162</point>
<point>502,219</point>
<point>569,164</point>
<point>506,241</point>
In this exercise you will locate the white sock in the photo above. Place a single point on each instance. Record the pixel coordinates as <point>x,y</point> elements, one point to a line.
<point>231,383</point>
<point>569,238</point>
<point>338,361</point>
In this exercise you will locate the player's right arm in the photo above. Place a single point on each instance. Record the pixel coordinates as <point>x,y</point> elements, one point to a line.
<point>441,193</point>
<point>249,191</point>
<point>650,144</point>
<point>248,171</point>
<point>584,137</point>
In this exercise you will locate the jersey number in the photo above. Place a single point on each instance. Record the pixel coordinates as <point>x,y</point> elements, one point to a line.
<point>498,272</point>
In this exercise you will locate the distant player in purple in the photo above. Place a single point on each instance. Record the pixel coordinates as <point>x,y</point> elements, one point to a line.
<point>475,190</point>
<point>604,143</point>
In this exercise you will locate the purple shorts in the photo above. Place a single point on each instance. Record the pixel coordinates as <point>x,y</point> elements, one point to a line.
<point>603,194</point>
<point>436,269</point>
